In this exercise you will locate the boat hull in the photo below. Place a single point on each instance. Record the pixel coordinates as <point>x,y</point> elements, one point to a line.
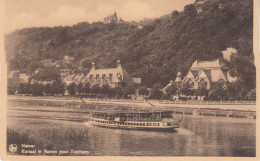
<point>141,128</point>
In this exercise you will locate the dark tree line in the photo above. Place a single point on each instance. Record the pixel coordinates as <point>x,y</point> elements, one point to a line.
<point>225,91</point>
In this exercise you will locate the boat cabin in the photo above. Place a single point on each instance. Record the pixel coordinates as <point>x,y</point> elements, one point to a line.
<point>134,116</point>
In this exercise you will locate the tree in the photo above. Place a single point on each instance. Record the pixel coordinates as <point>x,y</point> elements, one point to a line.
<point>190,10</point>
<point>47,74</point>
<point>201,91</point>
<point>37,89</point>
<point>86,63</point>
<point>232,90</point>
<point>143,91</point>
<point>184,89</point>
<point>129,89</point>
<point>118,92</point>
<point>24,88</point>
<point>33,66</point>
<point>95,89</point>
<point>171,90</point>
<point>47,89</point>
<point>80,88</point>
<point>217,91</point>
<point>57,88</point>
<point>86,88</point>
<point>251,95</point>
<point>12,88</point>
<point>71,88</point>
<point>61,88</point>
<point>156,92</point>
<point>105,89</point>
<point>244,69</point>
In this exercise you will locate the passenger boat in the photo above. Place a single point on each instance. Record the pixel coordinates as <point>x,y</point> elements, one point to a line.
<point>138,120</point>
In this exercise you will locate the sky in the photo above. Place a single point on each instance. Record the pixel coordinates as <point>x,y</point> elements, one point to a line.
<point>41,13</point>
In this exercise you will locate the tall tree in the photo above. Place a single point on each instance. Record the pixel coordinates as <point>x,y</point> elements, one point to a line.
<point>71,88</point>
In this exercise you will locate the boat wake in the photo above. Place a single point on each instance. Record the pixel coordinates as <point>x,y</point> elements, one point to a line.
<point>88,124</point>
<point>183,131</point>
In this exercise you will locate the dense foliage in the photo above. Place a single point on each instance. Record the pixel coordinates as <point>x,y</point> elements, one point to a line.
<point>155,52</point>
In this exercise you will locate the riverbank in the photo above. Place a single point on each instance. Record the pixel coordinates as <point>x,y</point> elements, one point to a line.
<point>216,110</point>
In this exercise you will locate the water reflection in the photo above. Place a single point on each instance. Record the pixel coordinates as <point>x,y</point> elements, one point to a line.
<point>60,128</point>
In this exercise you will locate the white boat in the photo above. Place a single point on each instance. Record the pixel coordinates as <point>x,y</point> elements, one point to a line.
<point>139,120</point>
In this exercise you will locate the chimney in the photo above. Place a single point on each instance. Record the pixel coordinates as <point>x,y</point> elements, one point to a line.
<point>118,63</point>
<point>93,66</point>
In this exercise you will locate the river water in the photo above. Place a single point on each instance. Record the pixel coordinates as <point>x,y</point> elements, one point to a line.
<point>63,128</point>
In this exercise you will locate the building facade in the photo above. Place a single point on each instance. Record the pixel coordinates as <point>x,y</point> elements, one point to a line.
<point>109,76</point>
<point>103,76</point>
<point>204,72</point>
<point>207,72</point>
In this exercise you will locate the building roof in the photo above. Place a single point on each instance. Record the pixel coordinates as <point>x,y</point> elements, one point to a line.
<point>207,64</point>
<point>118,74</point>
<point>137,80</point>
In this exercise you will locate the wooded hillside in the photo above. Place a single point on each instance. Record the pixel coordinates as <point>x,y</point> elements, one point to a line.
<point>156,51</point>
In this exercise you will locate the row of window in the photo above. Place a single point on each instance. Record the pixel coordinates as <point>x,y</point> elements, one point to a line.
<point>125,123</point>
<point>103,76</point>
<point>191,83</point>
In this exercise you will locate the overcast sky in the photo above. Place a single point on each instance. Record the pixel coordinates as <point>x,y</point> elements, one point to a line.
<point>34,13</point>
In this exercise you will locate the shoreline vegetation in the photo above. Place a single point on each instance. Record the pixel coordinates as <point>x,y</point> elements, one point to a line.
<point>235,109</point>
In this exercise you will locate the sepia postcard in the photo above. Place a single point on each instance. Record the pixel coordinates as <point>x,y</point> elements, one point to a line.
<point>129,79</point>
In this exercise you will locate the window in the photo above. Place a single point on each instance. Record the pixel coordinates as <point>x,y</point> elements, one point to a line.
<point>190,83</point>
<point>90,76</point>
<point>97,76</point>
<point>110,76</point>
<point>202,83</point>
<point>103,76</point>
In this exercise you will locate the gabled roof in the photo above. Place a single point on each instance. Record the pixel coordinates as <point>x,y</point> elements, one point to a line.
<point>195,73</point>
<point>207,64</point>
<point>205,74</point>
<point>218,75</point>
<point>208,74</point>
<point>189,75</point>
<point>119,74</point>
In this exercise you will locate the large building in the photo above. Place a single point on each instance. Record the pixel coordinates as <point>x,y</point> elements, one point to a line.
<point>206,72</point>
<point>110,76</point>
